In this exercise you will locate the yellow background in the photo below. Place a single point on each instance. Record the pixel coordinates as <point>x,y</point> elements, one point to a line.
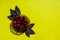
<point>44,13</point>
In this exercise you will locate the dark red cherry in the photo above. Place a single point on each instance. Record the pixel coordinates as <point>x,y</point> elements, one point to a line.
<point>20,23</point>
